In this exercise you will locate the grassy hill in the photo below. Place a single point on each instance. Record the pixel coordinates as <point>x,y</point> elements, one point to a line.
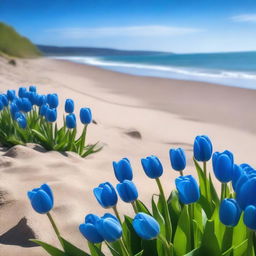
<point>15,45</point>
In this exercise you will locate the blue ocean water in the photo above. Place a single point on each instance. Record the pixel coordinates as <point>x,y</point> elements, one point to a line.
<point>232,69</point>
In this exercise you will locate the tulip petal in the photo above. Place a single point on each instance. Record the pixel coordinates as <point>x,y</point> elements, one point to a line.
<point>41,202</point>
<point>90,232</point>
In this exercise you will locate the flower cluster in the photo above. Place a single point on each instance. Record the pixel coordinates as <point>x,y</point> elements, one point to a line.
<point>194,220</point>
<point>27,116</point>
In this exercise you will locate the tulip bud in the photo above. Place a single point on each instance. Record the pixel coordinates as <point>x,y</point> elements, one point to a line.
<point>53,100</point>
<point>11,95</point>
<point>88,229</point>
<point>188,189</point>
<point>32,97</point>
<point>109,228</point>
<point>69,106</point>
<point>202,148</point>
<point>145,226</point>
<point>43,109</point>
<point>105,195</point>
<point>22,92</point>
<point>32,88</point>
<point>22,121</point>
<point>123,170</point>
<point>51,115</point>
<point>26,105</point>
<point>40,100</point>
<point>152,167</point>
<point>41,199</point>
<point>4,99</point>
<point>223,164</point>
<point>13,109</point>
<point>85,115</point>
<point>127,191</point>
<point>178,159</point>
<point>229,212</point>
<point>71,121</point>
<point>250,217</point>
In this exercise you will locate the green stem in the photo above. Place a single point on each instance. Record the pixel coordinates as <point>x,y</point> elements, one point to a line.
<point>205,179</point>
<point>167,247</point>
<point>223,190</point>
<point>56,230</point>
<point>250,242</point>
<point>124,249</point>
<point>168,224</point>
<point>181,173</point>
<point>82,142</point>
<point>134,207</point>
<point>117,214</point>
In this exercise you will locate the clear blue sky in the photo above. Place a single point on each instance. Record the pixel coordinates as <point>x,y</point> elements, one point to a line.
<point>166,25</point>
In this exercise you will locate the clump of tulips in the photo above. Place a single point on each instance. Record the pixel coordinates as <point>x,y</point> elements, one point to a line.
<point>193,220</point>
<point>30,117</point>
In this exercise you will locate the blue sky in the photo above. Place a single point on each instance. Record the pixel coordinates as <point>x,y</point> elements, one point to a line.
<point>165,25</point>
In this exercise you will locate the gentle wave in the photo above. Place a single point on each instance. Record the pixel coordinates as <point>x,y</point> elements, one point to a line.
<point>98,62</point>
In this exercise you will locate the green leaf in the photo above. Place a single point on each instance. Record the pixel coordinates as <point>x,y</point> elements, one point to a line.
<point>197,234</point>
<point>49,248</point>
<point>201,178</point>
<point>195,252</point>
<point>214,194</point>
<point>72,250</point>
<point>182,237</point>
<point>227,239</point>
<point>141,207</point>
<point>139,254</point>
<point>94,250</point>
<point>210,245</point>
<point>113,251</point>
<point>206,206</point>
<point>149,247</point>
<point>241,249</point>
<point>240,232</point>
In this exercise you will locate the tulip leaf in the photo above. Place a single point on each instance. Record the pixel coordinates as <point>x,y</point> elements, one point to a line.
<point>183,233</point>
<point>240,229</point>
<point>113,251</point>
<point>94,250</point>
<point>214,195</point>
<point>227,239</point>
<point>201,177</point>
<point>197,234</point>
<point>195,252</point>
<point>53,251</point>
<point>72,250</point>
<point>209,245</point>
<point>141,207</point>
<point>241,249</point>
<point>206,206</point>
<point>139,254</point>
<point>149,247</point>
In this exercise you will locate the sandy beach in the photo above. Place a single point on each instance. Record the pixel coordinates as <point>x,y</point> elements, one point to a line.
<point>135,117</point>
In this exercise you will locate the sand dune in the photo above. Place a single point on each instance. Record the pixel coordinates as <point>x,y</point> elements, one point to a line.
<point>136,117</point>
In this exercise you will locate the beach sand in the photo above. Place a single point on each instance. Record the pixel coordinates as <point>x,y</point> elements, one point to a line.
<point>135,117</point>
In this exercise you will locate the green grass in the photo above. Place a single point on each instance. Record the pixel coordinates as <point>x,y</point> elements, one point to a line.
<point>15,45</point>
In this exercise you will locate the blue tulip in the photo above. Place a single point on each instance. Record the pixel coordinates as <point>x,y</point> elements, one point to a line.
<point>43,109</point>
<point>188,189</point>
<point>53,100</point>
<point>32,96</point>
<point>51,115</point>
<point>127,191</point>
<point>250,217</point>
<point>40,100</point>
<point>4,99</point>
<point>229,212</point>
<point>152,167</point>
<point>1,105</point>
<point>178,159</point>
<point>85,115</point>
<point>246,194</point>
<point>11,95</point>
<point>69,106</point>
<point>202,148</point>
<point>123,170</point>
<point>237,172</point>
<point>145,226</point>
<point>26,105</point>
<point>41,199</point>
<point>109,228</point>
<point>18,102</point>
<point>22,92</point>
<point>32,88</point>
<point>71,121</point>
<point>13,109</point>
<point>223,164</point>
<point>105,195</point>
<point>22,121</point>
<point>88,229</point>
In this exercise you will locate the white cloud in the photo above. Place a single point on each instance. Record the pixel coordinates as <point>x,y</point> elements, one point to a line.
<point>244,18</point>
<point>132,31</point>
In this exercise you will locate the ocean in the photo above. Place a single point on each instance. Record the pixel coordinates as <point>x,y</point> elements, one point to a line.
<point>231,69</point>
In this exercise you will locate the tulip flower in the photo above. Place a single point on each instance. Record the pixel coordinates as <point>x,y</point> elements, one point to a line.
<point>109,228</point>
<point>178,159</point>
<point>51,115</point>
<point>250,217</point>
<point>41,199</point>
<point>43,109</point>
<point>223,164</point>
<point>11,95</point>
<point>202,148</point>
<point>69,106</point>
<point>188,189</point>
<point>4,99</point>
<point>229,212</point>
<point>127,191</point>
<point>123,170</point>
<point>26,105</point>
<point>88,229</point>
<point>33,97</point>
<point>22,92</point>
<point>32,88</point>
<point>145,226</point>
<point>13,109</point>
<point>53,100</point>
<point>105,195</point>
<point>71,121</point>
<point>22,121</point>
<point>41,100</point>
<point>152,167</point>
<point>85,115</point>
